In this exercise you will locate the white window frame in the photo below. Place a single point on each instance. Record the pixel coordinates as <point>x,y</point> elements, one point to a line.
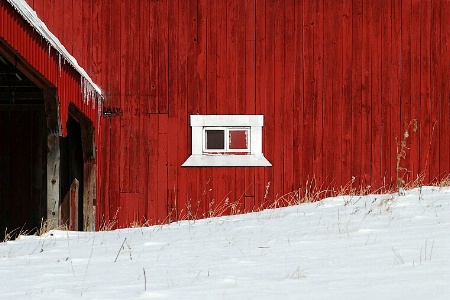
<point>201,158</point>
<point>226,148</point>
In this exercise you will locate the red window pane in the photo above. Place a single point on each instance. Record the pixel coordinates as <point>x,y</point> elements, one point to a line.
<point>238,139</point>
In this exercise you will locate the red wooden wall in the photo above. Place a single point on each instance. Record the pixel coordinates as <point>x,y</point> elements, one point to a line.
<point>338,82</point>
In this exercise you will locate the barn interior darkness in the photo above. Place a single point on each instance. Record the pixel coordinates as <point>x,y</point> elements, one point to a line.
<point>71,169</point>
<point>23,152</point>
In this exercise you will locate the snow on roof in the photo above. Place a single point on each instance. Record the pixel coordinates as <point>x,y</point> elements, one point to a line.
<point>88,86</point>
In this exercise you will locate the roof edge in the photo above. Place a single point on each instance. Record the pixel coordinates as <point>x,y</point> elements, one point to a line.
<point>29,15</point>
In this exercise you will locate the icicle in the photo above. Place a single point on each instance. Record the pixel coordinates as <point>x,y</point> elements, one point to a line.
<point>49,49</point>
<point>59,63</point>
<point>94,97</point>
<point>99,114</point>
<point>82,89</point>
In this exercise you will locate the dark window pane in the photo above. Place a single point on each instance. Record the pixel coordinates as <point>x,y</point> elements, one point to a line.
<point>238,139</point>
<point>215,139</point>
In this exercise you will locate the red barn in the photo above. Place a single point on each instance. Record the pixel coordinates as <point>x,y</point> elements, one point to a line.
<point>215,107</point>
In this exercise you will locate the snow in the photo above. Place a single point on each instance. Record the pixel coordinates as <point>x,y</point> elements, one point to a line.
<point>348,247</point>
<point>53,42</point>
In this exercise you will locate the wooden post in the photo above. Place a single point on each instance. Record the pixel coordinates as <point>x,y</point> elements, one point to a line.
<point>53,181</point>
<point>89,192</point>
<point>73,202</point>
<point>53,156</point>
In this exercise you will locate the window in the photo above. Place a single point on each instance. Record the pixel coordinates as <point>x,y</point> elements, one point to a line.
<point>226,140</point>
<point>223,140</point>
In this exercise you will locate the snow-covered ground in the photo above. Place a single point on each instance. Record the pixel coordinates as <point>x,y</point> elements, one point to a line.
<point>374,247</point>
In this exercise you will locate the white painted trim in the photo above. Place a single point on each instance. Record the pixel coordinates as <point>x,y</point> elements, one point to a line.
<point>256,140</point>
<point>227,120</point>
<point>197,143</point>
<point>201,159</point>
<point>226,160</point>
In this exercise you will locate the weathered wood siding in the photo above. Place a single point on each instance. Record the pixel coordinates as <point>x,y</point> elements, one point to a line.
<point>338,82</point>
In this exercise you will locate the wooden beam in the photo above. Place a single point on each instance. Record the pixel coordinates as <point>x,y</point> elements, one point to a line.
<point>52,111</point>
<point>22,65</point>
<point>89,195</point>
<point>53,180</point>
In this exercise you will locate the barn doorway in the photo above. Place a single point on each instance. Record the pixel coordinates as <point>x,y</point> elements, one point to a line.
<point>39,167</point>
<point>71,207</point>
<point>77,173</point>
<point>23,153</point>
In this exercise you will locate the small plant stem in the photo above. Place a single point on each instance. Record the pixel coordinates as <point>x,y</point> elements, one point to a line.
<point>120,249</point>
<point>145,280</point>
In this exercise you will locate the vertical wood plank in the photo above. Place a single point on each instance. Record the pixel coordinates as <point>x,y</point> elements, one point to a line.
<point>347,117</point>
<point>162,205</point>
<point>318,176</point>
<point>61,33</point>
<point>288,108</point>
<point>144,58</point>
<point>103,202</point>
<point>306,97</point>
<point>184,138</point>
<point>269,106</point>
<point>193,101</point>
<point>79,23</point>
<point>172,149</point>
<point>238,203</point>
<point>426,126</point>
<point>211,58</point>
<point>202,89</point>
<point>154,58</point>
<point>240,57</point>
<point>356,157</point>
<point>435,90</point>
<point>250,47</point>
<point>173,58</point>
<point>260,86</point>
<point>444,142</point>
<point>152,199</point>
<point>328,118</point>
<point>366,94</point>
<point>105,42</point>
<point>385,164</point>
<point>405,87</point>
<point>143,163</point>
<point>376,101</point>
<point>395,134</point>
<point>115,208</point>
<point>337,95</point>
<point>231,67</point>
<point>415,86</point>
<point>162,36</point>
<point>116,32</point>
<point>98,43</point>
<point>173,167</point>
<point>279,98</point>
<point>84,54</point>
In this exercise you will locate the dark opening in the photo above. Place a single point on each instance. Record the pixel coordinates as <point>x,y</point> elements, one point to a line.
<point>215,139</point>
<point>71,169</point>
<point>23,153</point>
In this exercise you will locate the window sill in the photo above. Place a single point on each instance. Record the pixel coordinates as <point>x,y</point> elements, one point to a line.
<point>226,160</point>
